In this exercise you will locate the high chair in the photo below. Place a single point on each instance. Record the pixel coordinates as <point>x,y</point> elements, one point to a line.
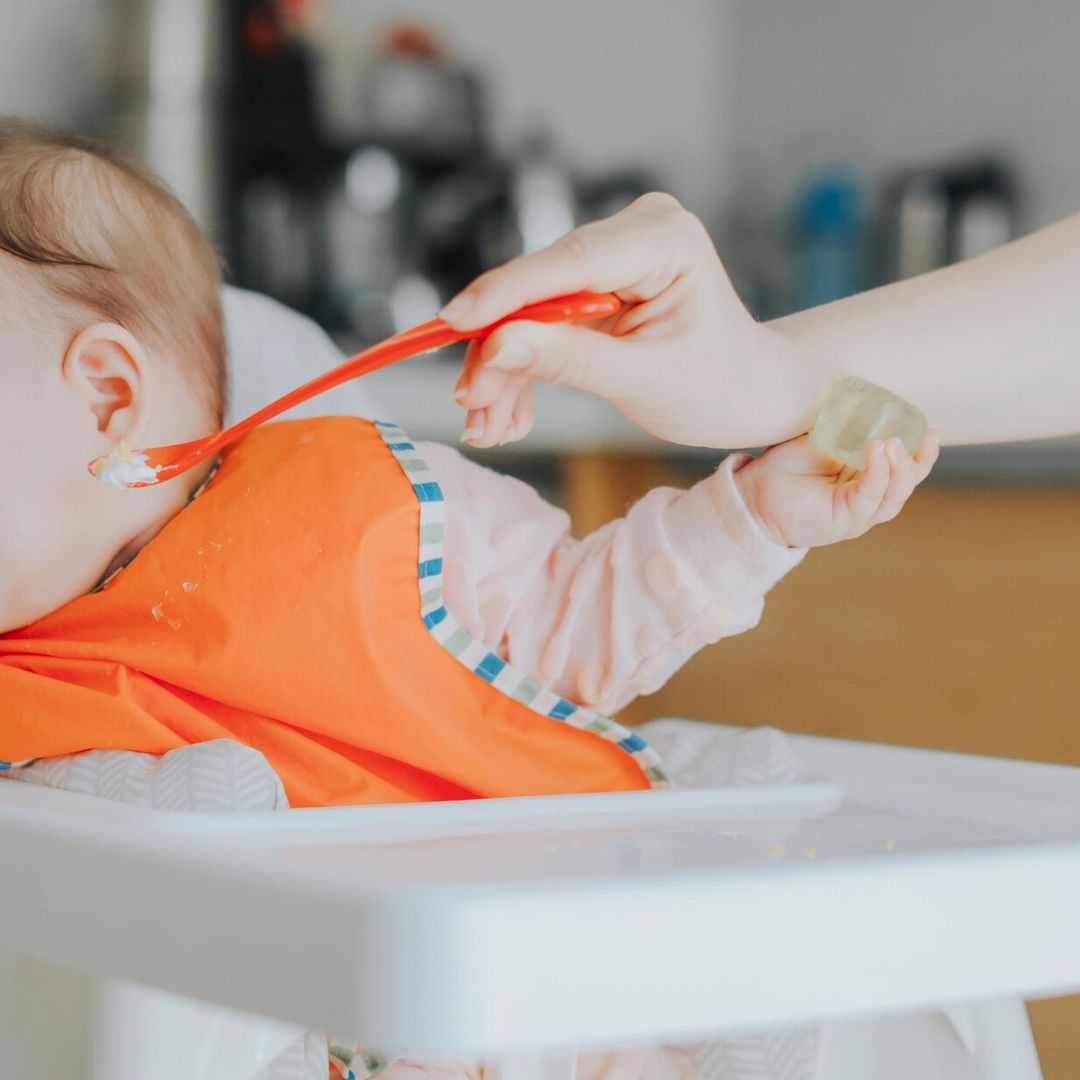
<point>519,930</point>
<point>180,946</point>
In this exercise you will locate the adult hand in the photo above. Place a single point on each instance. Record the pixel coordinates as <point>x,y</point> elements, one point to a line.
<point>684,359</point>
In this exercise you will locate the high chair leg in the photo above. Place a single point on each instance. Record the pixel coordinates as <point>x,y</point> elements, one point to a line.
<point>135,1032</point>
<point>1004,1044</point>
<point>43,1014</point>
<point>555,1066</point>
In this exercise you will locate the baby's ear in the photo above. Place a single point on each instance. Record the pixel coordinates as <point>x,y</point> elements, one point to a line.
<point>107,367</point>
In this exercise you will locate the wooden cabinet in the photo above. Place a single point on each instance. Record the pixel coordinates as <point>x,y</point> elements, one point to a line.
<point>956,626</point>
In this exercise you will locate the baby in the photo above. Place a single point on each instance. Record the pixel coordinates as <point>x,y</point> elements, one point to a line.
<point>111,325</point>
<point>384,621</point>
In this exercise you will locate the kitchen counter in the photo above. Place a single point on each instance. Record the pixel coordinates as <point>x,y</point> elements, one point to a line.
<point>418,396</point>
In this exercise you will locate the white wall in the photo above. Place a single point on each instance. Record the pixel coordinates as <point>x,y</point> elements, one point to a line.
<point>713,94</point>
<point>619,81</point>
<point>51,59</point>
<point>903,81</point>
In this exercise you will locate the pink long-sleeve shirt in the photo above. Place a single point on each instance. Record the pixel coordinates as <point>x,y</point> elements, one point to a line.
<point>617,613</point>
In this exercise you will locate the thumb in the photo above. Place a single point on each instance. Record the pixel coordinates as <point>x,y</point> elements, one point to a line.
<point>560,354</point>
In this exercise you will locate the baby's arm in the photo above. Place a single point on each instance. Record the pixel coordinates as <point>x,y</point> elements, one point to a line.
<point>614,615</point>
<point>617,613</point>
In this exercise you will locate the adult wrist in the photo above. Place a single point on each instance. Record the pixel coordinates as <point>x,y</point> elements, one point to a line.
<point>792,388</point>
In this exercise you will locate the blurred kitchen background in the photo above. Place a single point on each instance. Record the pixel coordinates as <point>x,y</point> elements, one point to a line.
<point>363,159</point>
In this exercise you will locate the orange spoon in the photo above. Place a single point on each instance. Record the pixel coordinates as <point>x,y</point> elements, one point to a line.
<point>126,468</point>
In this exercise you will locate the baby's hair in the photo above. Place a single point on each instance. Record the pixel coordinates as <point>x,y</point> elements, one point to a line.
<point>105,235</point>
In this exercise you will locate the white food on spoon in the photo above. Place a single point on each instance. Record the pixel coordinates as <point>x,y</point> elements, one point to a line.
<point>124,467</point>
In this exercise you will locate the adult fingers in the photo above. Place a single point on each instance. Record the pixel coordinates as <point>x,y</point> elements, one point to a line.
<point>636,253</point>
<point>480,385</point>
<point>522,415</point>
<point>561,354</point>
<point>493,425</point>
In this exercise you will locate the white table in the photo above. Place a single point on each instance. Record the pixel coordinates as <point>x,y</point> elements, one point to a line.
<point>907,878</point>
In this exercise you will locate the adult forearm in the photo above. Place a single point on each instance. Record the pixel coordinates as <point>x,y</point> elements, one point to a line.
<point>988,348</point>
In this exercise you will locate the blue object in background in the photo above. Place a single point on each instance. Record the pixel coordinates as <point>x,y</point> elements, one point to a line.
<point>828,228</point>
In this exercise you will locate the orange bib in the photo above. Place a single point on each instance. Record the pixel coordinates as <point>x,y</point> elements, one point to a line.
<point>296,606</point>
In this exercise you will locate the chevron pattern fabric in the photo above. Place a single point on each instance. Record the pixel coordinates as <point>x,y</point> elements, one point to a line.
<point>218,776</point>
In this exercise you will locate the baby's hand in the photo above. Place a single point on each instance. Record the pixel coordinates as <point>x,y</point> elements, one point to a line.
<point>804,498</point>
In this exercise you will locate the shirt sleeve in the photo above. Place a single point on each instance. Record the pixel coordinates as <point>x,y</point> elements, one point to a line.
<point>617,613</point>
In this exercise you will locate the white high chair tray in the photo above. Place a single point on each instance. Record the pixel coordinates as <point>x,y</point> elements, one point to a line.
<point>911,878</point>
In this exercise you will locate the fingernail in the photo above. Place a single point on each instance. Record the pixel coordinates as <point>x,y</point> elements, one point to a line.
<point>459,393</point>
<point>509,436</point>
<point>457,308</point>
<point>472,432</point>
<point>511,357</point>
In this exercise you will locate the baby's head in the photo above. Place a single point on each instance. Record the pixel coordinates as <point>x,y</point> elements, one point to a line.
<point>110,329</point>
